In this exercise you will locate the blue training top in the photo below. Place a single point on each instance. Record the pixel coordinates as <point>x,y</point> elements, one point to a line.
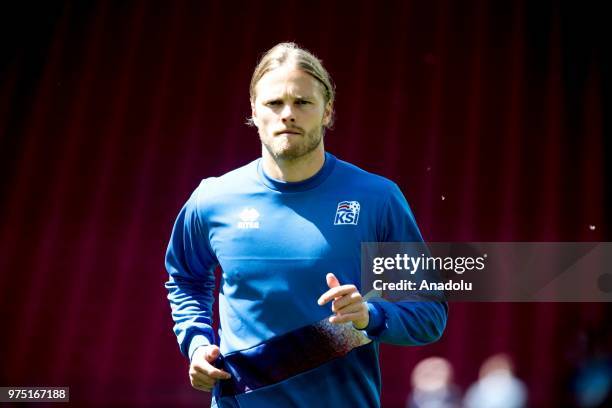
<point>275,242</point>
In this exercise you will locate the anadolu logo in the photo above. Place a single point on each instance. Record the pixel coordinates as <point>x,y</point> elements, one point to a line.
<point>249,218</point>
<point>347,213</point>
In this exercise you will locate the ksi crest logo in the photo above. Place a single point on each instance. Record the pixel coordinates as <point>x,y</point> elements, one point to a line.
<point>347,213</point>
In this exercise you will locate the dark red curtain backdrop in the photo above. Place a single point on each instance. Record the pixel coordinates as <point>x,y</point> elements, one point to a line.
<point>488,114</point>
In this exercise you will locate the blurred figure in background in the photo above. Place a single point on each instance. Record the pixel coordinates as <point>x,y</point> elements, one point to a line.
<point>591,381</point>
<point>432,385</point>
<point>497,387</point>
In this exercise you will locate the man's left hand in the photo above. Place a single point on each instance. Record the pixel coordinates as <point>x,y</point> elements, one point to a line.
<point>348,304</point>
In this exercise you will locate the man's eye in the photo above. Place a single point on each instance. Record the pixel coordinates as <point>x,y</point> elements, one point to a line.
<point>302,102</point>
<point>273,103</point>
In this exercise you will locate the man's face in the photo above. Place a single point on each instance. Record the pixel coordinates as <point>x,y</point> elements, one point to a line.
<point>289,111</point>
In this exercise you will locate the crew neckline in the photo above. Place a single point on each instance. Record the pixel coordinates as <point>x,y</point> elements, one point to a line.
<point>296,186</point>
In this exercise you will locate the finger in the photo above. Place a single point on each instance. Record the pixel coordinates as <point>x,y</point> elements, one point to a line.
<point>202,387</point>
<point>332,281</point>
<point>208,382</point>
<point>203,381</point>
<point>335,292</point>
<point>211,371</point>
<point>212,353</point>
<point>349,317</point>
<point>352,308</point>
<point>219,374</point>
<point>200,377</point>
<point>351,298</point>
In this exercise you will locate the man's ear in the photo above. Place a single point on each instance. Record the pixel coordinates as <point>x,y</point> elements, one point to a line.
<point>253,117</point>
<point>327,114</point>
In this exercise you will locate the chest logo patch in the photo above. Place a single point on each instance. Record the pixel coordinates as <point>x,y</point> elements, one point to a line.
<point>347,213</point>
<point>248,218</point>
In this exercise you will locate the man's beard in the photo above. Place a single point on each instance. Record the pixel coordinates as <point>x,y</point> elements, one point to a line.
<point>279,149</point>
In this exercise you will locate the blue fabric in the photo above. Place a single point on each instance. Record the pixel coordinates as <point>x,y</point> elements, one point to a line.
<point>288,355</point>
<point>275,242</point>
<point>352,381</point>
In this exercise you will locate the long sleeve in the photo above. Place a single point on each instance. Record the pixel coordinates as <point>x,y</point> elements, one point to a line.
<point>190,263</point>
<point>404,322</point>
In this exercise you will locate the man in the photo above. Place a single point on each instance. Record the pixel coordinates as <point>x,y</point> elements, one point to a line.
<point>286,230</point>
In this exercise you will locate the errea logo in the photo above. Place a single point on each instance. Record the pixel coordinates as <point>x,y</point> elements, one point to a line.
<point>248,216</point>
<point>347,213</point>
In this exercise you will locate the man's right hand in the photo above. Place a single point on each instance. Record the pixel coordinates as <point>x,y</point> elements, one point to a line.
<point>202,373</point>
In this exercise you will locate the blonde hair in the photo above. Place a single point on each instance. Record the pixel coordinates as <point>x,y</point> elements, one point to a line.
<point>287,53</point>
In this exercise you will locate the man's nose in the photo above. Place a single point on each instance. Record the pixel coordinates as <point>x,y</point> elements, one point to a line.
<point>287,113</point>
